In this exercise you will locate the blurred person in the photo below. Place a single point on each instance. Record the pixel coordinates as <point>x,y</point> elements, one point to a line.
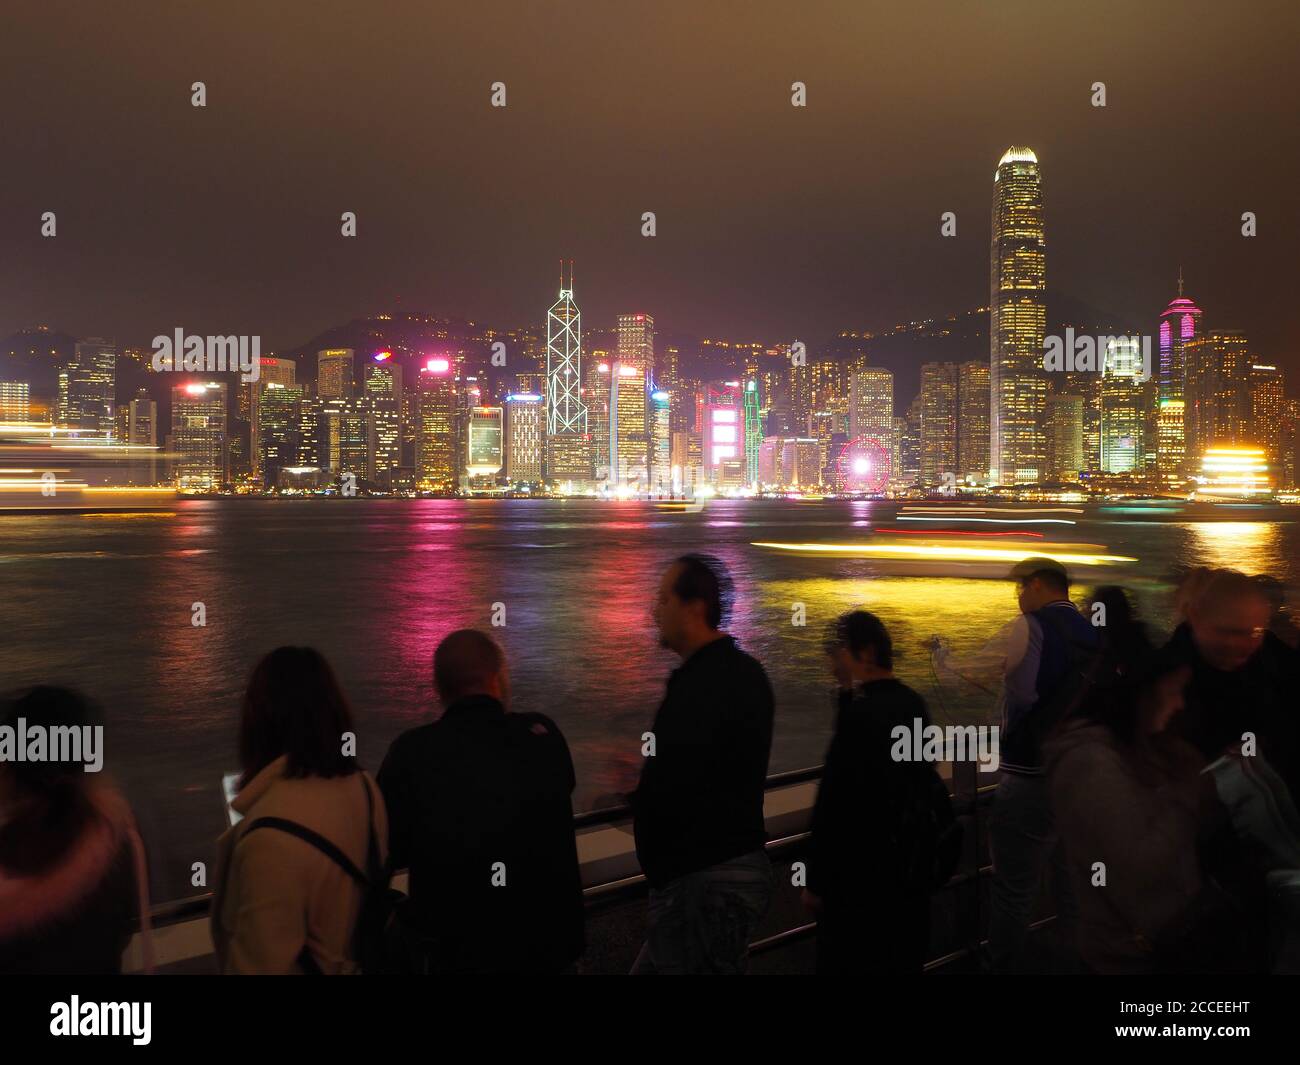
<point>289,887</point>
<point>480,806</point>
<point>72,867</point>
<point>698,809</point>
<point>1139,821</point>
<point>872,907</point>
<point>1243,680</point>
<point>1282,622</point>
<point>1047,656</point>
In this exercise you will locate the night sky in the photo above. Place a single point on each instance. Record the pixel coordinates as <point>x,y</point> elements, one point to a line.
<point>774,222</point>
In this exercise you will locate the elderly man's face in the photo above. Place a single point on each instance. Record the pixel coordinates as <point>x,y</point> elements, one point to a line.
<point>1228,633</point>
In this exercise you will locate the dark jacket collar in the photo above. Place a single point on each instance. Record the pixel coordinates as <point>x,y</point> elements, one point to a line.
<point>471,706</point>
<point>710,652</point>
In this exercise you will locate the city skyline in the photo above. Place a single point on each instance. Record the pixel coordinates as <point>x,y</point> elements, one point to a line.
<point>772,220</point>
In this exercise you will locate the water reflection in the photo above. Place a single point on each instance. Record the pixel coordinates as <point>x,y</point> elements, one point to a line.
<point>1250,546</point>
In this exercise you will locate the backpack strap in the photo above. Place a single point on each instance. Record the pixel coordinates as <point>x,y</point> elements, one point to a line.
<point>315,839</point>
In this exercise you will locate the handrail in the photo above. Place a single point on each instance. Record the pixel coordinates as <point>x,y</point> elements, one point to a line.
<point>192,906</point>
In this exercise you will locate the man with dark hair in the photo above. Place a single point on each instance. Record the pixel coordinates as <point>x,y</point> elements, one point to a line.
<point>700,833</point>
<point>480,810</point>
<point>1044,656</point>
<point>872,914</point>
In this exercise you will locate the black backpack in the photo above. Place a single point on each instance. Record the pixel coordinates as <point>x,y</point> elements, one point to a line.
<point>377,935</point>
<point>930,836</point>
<point>1088,666</point>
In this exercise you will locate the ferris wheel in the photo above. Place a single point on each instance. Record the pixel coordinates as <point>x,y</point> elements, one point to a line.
<point>864,465</point>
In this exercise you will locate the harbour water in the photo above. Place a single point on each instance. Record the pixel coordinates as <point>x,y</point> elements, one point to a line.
<point>105,601</point>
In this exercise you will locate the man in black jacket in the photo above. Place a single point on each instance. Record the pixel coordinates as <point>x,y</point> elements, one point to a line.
<point>1244,680</point>
<point>480,810</point>
<point>871,916</point>
<point>699,826</point>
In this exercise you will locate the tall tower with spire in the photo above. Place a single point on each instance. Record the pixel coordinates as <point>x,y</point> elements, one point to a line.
<point>568,445</point>
<point>1180,326</point>
<point>1017,322</point>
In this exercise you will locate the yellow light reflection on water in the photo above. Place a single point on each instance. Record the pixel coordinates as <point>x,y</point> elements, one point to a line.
<point>1250,546</point>
<point>977,551</point>
<point>967,613</point>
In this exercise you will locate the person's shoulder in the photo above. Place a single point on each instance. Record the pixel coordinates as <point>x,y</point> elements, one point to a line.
<point>531,724</point>
<point>411,745</point>
<point>745,664</point>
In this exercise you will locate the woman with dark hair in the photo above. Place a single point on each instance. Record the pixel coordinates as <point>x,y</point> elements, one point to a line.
<point>312,826</point>
<point>1143,831</point>
<point>72,869</point>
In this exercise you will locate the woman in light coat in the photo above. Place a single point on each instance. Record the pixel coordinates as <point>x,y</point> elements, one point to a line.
<point>283,902</point>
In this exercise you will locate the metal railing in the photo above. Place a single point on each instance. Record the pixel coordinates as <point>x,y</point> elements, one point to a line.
<point>968,798</point>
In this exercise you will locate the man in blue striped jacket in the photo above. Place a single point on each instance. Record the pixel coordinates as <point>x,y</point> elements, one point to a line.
<point>1043,657</point>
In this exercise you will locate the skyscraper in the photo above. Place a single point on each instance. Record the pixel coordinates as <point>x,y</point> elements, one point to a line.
<point>524,421</point>
<point>629,446</point>
<point>1123,418</point>
<point>334,370</point>
<point>636,340</point>
<point>568,447</point>
<point>1217,393</point>
<point>1267,406</point>
<point>86,389</point>
<point>485,452</point>
<point>278,438</point>
<point>871,405</point>
<point>15,401</point>
<point>198,436</point>
<point>1179,327</point>
<point>1018,321</point>
<point>661,473</point>
<point>973,422</point>
<point>142,433</point>
<point>437,453</point>
<point>938,423</point>
<point>1064,436</point>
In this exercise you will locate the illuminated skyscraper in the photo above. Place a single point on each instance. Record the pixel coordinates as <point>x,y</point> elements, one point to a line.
<point>485,453</point>
<point>973,423</point>
<point>871,405</point>
<point>636,340</point>
<point>142,432</point>
<point>279,429</point>
<point>275,371</point>
<point>1179,327</point>
<point>437,451</point>
<point>523,414</point>
<point>1123,417</point>
<point>1217,393</point>
<point>1018,321</point>
<point>334,373</point>
<point>1064,436</point>
<point>753,430</point>
<point>15,401</point>
<point>568,448</point>
<point>1267,409</point>
<point>86,389</point>
<point>198,437</point>
<point>595,398</point>
<point>629,446</point>
<point>938,423</point>
<point>661,473</point>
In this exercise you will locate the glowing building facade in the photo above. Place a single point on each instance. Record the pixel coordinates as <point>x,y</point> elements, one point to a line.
<point>1179,328</point>
<point>524,424</point>
<point>198,436</point>
<point>568,446</point>
<point>1018,321</point>
<point>1123,415</point>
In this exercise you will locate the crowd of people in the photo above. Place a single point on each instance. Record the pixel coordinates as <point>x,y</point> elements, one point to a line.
<point>1147,787</point>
